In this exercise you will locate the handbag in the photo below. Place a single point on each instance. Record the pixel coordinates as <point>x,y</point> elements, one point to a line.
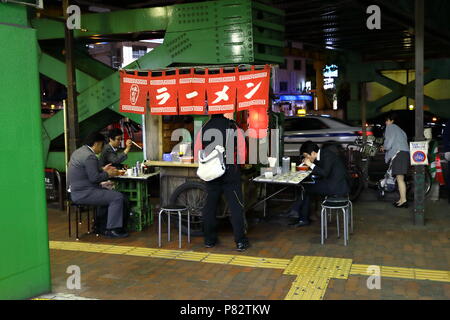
<point>212,166</point>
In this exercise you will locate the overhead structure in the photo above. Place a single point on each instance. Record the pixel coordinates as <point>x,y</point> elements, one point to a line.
<point>211,32</point>
<point>383,58</point>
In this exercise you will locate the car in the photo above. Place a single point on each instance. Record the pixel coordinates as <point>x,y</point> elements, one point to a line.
<point>406,121</point>
<point>319,129</point>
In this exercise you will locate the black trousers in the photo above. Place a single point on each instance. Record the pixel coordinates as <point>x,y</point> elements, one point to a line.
<point>321,187</point>
<point>229,185</point>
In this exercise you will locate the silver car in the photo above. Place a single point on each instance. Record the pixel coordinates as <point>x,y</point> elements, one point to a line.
<point>319,129</point>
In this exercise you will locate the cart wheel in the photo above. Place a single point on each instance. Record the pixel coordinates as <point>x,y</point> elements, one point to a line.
<point>193,196</point>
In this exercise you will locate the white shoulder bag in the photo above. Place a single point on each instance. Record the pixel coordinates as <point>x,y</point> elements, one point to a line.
<point>212,166</point>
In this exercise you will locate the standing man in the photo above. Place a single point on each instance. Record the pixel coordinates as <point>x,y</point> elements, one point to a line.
<point>333,179</point>
<point>110,152</point>
<point>85,175</point>
<point>220,127</point>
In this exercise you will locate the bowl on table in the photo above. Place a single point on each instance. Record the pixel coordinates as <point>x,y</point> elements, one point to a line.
<point>302,168</point>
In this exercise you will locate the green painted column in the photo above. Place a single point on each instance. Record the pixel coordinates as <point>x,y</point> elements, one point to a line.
<point>24,250</point>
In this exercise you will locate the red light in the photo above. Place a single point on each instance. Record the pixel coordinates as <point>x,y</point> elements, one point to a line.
<point>258,120</point>
<point>369,133</point>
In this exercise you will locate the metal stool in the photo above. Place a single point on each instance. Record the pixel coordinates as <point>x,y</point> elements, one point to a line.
<point>79,209</point>
<point>341,204</point>
<point>173,209</point>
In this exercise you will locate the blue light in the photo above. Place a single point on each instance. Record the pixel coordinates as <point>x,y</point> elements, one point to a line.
<point>300,97</point>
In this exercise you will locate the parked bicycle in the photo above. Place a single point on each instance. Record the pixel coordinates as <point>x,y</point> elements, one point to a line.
<point>359,150</point>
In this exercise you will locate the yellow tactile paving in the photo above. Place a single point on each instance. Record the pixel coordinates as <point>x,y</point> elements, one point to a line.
<point>331,267</point>
<point>313,273</point>
<point>308,287</point>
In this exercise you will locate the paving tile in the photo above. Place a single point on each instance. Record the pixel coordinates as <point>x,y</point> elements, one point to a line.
<point>383,236</point>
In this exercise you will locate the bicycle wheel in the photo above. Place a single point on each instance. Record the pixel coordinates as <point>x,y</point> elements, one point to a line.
<point>356,183</point>
<point>410,183</point>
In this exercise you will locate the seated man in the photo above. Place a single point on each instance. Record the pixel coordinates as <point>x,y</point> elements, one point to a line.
<point>85,175</point>
<point>333,179</point>
<point>110,151</point>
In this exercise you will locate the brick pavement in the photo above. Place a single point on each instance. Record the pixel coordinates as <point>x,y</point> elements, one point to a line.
<point>383,235</point>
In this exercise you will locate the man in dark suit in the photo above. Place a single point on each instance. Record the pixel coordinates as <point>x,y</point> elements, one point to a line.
<point>85,175</point>
<point>110,152</point>
<point>333,179</point>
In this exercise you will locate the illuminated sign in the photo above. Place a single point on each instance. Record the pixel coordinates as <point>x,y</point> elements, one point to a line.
<point>331,71</point>
<point>298,97</point>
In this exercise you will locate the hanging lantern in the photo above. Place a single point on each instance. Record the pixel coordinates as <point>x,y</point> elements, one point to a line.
<point>258,122</point>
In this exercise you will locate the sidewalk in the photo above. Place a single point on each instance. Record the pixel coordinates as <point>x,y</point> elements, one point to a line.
<point>384,236</point>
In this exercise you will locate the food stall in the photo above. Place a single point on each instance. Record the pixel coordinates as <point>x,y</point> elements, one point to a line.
<point>175,103</point>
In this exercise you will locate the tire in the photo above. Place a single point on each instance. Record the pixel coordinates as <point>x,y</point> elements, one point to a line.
<point>356,183</point>
<point>192,195</point>
<point>410,184</point>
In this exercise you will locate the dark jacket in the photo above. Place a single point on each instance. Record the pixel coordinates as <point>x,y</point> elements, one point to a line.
<point>233,155</point>
<point>84,171</point>
<point>331,169</point>
<point>108,155</point>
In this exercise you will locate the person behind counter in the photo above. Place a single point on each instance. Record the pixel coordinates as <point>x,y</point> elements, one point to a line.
<point>85,175</point>
<point>228,184</point>
<point>333,179</point>
<point>110,151</point>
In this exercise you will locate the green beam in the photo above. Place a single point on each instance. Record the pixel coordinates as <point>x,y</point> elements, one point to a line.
<point>24,262</point>
<point>126,21</point>
<point>268,25</point>
<point>56,70</point>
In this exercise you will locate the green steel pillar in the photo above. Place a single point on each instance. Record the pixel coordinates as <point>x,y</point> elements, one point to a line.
<point>24,250</point>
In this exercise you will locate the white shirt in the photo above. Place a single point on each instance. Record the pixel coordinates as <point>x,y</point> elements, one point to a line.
<point>115,150</point>
<point>90,148</point>
<point>318,159</point>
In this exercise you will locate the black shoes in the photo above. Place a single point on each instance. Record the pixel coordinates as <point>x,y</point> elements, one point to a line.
<point>403,205</point>
<point>210,244</point>
<point>115,234</point>
<point>242,246</point>
<point>299,224</point>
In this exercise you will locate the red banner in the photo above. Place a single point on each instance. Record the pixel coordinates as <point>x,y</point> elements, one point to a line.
<point>253,88</point>
<point>185,93</point>
<point>163,94</point>
<point>133,93</point>
<point>191,93</point>
<point>221,92</point>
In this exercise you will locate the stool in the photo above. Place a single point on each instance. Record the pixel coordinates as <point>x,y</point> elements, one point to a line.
<point>173,209</point>
<point>79,209</point>
<point>341,204</point>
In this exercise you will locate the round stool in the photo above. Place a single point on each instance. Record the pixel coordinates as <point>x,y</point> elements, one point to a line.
<point>173,209</point>
<point>341,204</point>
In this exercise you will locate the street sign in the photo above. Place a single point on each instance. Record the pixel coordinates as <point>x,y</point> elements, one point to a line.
<point>418,152</point>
